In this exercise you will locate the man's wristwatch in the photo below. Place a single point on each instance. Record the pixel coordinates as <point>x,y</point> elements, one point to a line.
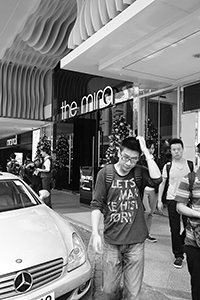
<point>149,157</point>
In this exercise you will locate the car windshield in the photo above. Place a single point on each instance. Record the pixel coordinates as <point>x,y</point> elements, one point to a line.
<point>14,194</point>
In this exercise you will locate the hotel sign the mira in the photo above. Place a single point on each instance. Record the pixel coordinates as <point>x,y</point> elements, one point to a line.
<point>89,103</point>
<point>98,100</point>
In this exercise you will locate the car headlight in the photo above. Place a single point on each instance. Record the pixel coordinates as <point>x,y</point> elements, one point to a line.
<point>77,256</point>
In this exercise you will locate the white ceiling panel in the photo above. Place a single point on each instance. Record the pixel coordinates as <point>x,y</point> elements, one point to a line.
<point>187,5</point>
<point>169,59</point>
<point>10,126</point>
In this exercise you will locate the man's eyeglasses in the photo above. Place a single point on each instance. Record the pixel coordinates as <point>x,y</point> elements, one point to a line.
<point>131,159</point>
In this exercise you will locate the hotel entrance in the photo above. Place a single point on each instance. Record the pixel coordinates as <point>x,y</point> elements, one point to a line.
<point>161,123</point>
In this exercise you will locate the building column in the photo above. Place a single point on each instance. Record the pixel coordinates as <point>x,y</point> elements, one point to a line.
<point>141,116</point>
<point>179,110</point>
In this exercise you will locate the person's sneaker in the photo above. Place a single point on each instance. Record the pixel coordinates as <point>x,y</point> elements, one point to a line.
<point>151,239</point>
<point>178,263</point>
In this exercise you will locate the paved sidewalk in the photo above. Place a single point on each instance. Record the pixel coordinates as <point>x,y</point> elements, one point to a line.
<point>161,280</point>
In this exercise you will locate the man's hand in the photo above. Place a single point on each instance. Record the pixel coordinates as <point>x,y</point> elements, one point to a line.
<point>97,243</point>
<point>142,144</point>
<point>160,205</point>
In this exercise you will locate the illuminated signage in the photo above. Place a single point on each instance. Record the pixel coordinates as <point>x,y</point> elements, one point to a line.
<point>86,182</point>
<point>102,99</point>
<point>12,141</point>
<point>89,103</point>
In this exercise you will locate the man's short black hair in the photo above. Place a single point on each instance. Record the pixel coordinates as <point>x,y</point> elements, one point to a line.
<point>131,143</point>
<point>45,149</point>
<point>12,155</point>
<point>176,141</point>
<point>28,156</point>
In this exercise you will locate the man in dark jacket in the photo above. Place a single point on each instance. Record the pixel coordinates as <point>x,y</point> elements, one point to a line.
<point>13,166</point>
<point>46,172</point>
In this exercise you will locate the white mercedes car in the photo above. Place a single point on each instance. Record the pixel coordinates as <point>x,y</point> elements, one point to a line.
<point>42,257</point>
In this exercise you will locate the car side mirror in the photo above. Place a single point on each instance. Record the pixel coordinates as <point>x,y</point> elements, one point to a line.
<point>43,194</point>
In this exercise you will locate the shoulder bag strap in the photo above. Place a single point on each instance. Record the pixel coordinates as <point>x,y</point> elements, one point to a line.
<point>191,165</point>
<point>191,179</point>
<point>109,175</point>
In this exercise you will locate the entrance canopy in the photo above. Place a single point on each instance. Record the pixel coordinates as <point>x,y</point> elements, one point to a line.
<point>153,43</point>
<point>9,126</point>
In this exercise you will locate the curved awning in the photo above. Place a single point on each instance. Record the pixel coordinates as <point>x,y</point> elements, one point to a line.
<point>33,39</point>
<point>92,16</point>
<point>38,37</point>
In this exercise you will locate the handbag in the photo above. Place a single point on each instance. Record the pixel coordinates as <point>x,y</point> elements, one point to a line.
<point>196,232</point>
<point>195,226</point>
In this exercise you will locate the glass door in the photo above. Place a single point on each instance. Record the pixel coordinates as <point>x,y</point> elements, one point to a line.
<point>159,126</point>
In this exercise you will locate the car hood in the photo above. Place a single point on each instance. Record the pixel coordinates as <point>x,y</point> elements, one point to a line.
<point>31,236</point>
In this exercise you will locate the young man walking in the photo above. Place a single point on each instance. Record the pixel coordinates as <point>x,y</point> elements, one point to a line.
<point>179,167</point>
<point>188,204</point>
<point>150,195</point>
<point>119,197</point>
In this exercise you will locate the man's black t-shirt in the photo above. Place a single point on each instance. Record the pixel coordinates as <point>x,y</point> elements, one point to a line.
<point>124,221</point>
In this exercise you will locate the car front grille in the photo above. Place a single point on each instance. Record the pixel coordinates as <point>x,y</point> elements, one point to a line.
<point>41,274</point>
